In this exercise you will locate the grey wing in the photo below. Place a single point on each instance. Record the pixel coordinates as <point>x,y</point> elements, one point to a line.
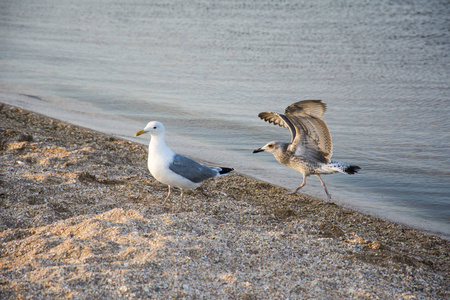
<point>280,120</point>
<point>191,169</point>
<point>306,117</point>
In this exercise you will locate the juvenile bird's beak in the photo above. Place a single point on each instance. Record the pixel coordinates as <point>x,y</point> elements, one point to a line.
<point>140,132</point>
<point>258,150</point>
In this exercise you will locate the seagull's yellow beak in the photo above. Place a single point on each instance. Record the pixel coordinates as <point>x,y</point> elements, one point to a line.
<point>140,132</point>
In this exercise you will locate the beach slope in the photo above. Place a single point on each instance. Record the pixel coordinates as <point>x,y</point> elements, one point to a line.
<point>81,217</point>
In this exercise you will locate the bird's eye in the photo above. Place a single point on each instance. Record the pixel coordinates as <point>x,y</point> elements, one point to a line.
<point>154,127</point>
<point>270,146</point>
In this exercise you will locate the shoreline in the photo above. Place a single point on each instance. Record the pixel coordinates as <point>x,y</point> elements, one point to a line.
<point>249,166</point>
<point>81,217</point>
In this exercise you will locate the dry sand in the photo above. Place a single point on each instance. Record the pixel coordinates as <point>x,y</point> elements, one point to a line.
<point>81,218</point>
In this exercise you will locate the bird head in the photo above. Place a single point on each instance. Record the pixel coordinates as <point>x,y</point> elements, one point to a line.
<point>271,147</point>
<point>153,128</point>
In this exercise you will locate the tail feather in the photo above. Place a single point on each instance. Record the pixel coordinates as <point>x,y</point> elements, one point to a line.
<point>337,166</point>
<point>225,170</point>
<point>352,170</point>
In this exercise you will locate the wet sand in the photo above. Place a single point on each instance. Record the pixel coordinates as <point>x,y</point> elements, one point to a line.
<point>81,217</point>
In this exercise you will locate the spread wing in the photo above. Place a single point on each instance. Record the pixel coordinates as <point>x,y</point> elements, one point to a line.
<point>304,120</point>
<point>314,108</point>
<point>306,116</point>
<point>280,120</point>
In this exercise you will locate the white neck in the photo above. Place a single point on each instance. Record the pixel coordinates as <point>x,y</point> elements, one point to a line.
<point>158,145</point>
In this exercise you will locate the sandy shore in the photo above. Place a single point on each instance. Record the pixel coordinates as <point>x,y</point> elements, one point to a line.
<point>81,217</point>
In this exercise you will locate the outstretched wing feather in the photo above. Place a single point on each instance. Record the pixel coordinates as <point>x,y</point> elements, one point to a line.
<point>280,120</point>
<point>312,108</point>
<point>306,117</point>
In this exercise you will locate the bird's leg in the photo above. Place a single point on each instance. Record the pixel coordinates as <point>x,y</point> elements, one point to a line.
<point>324,187</point>
<point>181,202</point>
<point>168,195</point>
<point>302,185</point>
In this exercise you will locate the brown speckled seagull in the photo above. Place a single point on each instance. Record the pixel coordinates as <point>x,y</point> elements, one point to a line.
<point>310,149</point>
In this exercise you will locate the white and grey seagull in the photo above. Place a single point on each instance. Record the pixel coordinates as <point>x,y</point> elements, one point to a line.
<point>310,149</point>
<point>174,169</point>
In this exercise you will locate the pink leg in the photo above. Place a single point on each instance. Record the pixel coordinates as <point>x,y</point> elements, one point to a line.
<point>302,185</point>
<point>324,187</point>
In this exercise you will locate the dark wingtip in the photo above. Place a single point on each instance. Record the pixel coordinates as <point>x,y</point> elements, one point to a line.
<point>225,170</point>
<point>352,170</point>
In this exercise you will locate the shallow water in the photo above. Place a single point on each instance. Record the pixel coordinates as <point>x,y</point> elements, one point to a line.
<point>207,68</point>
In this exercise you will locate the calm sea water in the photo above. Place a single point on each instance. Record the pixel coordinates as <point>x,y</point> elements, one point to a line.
<point>207,68</point>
